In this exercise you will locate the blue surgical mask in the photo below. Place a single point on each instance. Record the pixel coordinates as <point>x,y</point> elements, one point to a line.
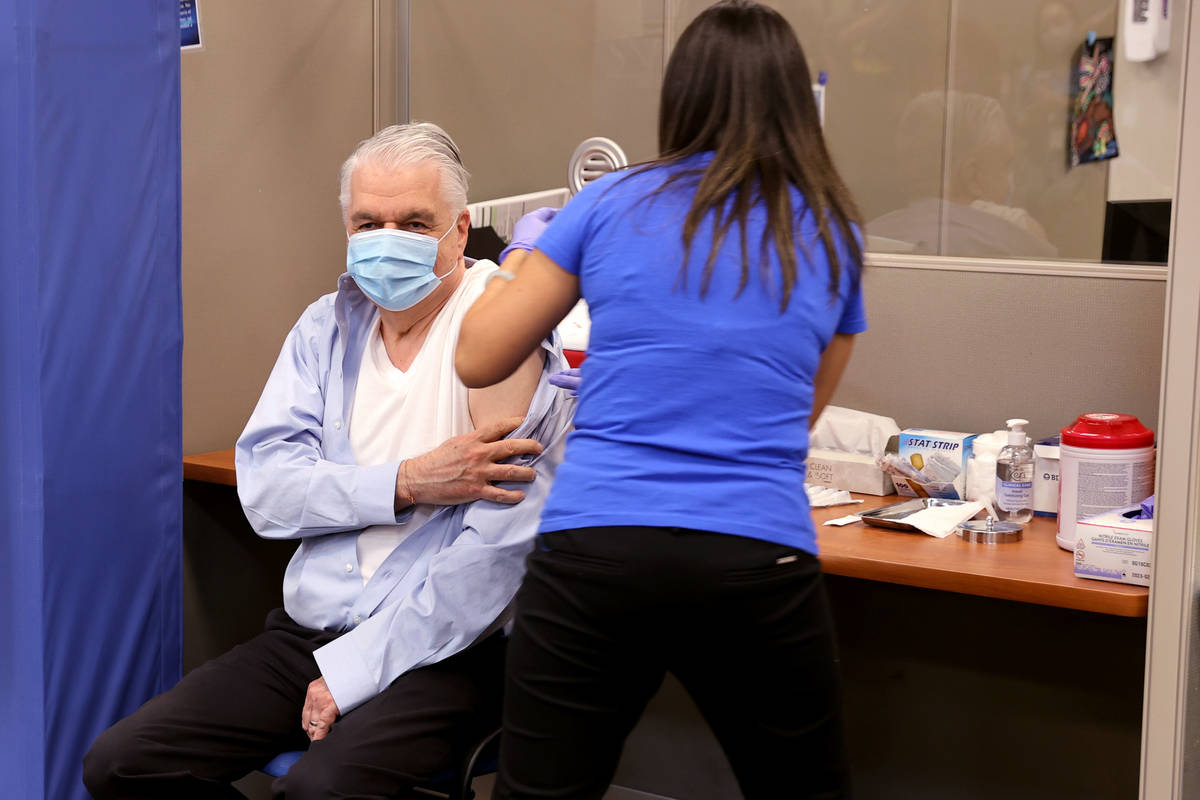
<point>394,268</point>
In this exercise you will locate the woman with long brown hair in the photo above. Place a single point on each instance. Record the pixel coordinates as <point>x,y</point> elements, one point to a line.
<point>722,280</point>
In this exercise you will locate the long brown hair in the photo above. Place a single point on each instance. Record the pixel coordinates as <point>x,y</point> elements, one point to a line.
<point>738,84</point>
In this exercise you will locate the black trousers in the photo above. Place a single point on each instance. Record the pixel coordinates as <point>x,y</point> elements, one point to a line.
<point>236,712</point>
<point>743,624</point>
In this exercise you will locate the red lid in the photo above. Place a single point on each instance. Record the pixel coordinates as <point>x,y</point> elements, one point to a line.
<point>1108,432</point>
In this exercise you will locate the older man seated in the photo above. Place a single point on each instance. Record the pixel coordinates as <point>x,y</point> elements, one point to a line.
<point>412,510</point>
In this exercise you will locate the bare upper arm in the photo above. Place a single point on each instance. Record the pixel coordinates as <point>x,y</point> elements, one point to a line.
<point>829,373</point>
<point>510,319</point>
<point>510,397</point>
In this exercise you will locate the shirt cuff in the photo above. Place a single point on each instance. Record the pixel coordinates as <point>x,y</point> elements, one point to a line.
<point>375,499</point>
<point>350,681</point>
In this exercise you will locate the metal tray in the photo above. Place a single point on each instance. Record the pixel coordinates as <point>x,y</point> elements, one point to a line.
<point>893,516</point>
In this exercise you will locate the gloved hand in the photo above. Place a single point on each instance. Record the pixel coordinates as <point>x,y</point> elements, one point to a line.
<point>527,230</point>
<point>568,379</point>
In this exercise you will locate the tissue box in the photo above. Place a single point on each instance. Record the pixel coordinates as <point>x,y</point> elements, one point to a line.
<point>851,471</point>
<point>941,455</point>
<point>1113,547</point>
<point>1045,478</point>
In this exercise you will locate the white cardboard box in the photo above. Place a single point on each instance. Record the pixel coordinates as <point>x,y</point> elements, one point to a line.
<point>1114,547</point>
<point>850,471</point>
<point>1045,480</point>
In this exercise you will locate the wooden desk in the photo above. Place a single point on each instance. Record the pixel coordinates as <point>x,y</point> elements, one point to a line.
<point>1034,570</point>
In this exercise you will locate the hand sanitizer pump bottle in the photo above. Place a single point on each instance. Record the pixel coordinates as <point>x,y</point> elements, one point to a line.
<point>1014,475</point>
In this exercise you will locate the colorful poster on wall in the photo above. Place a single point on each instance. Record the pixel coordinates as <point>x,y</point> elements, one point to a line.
<point>189,25</point>
<point>1092,135</point>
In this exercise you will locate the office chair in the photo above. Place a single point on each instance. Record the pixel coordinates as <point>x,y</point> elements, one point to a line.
<point>454,784</point>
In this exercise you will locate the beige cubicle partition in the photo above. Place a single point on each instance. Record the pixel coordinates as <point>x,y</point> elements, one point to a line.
<point>948,119</point>
<point>277,98</point>
<point>964,349</point>
<point>926,100</point>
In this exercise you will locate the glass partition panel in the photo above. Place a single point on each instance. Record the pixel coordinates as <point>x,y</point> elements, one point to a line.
<point>1000,186</point>
<point>520,84</point>
<point>879,57</point>
<point>949,119</point>
<point>1009,189</point>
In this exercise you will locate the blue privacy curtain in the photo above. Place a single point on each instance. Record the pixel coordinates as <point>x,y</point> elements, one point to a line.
<point>90,352</point>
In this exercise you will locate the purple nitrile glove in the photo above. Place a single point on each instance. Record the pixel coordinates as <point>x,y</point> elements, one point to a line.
<point>568,379</point>
<point>528,229</point>
<point>1147,511</point>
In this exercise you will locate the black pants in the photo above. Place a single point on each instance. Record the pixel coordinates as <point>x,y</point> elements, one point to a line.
<point>743,624</point>
<point>236,712</point>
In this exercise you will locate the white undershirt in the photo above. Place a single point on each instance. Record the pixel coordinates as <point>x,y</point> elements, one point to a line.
<point>402,414</point>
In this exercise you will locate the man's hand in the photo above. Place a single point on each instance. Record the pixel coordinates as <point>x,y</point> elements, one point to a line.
<point>462,469</point>
<point>319,711</point>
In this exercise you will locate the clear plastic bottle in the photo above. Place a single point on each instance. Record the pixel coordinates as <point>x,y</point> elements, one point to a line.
<point>1014,475</point>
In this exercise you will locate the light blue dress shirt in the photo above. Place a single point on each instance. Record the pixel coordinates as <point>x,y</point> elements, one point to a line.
<point>443,586</point>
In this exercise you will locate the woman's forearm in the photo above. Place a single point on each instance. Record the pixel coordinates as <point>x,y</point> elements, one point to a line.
<point>829,373</point>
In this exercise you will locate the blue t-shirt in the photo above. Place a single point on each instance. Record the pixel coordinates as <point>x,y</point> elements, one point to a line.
<point>694,411</point>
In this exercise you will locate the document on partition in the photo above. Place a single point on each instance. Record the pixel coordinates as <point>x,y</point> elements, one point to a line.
<point>189,25</point>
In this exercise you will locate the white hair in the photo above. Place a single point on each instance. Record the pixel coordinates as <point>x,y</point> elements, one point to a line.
<point>403,145</point>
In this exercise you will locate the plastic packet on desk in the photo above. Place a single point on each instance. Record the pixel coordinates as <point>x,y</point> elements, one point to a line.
<point>823,496</point>
<point>893,464</point>
<point>916,482</point>
<point>940,469</point>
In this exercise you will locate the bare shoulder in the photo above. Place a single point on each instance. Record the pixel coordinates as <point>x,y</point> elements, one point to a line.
<point>510,397</point>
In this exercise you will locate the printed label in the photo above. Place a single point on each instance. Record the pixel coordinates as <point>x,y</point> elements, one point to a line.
<point>1104,485</point>
<point>820,472</point>
<point>1014,496</point>
<point>1014,486</point>
<point>930,444</point>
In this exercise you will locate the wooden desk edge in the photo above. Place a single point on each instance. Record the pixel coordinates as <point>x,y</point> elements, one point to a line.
<point>214,467</point>
<point>1096,600</point>
<point>218,467</point>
